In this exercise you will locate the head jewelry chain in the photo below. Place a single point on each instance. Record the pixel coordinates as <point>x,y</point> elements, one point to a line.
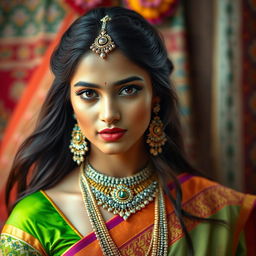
<point>103,44</point>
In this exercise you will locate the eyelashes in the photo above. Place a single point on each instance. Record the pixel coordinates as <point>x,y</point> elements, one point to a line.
<point>130,90</point>
<point>91,94</point>
<point>88,94</point>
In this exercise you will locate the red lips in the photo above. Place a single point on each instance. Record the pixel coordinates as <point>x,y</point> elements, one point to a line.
<point>113,134</point>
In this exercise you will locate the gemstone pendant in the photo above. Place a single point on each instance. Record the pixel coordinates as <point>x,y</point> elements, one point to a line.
<point>122,194</point>
<point>102,40</point>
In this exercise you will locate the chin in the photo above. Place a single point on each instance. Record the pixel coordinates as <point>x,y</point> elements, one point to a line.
<point>114,150</point>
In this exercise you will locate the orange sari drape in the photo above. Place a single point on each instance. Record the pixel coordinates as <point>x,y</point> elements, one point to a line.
<point>201,197</point>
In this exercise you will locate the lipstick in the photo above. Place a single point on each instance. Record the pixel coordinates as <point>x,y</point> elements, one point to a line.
<point>113,134</point>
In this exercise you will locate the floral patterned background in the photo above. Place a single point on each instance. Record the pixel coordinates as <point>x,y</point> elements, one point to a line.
<point>26,30</point>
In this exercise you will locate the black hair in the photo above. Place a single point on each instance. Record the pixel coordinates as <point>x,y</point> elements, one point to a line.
<point>45,156</point>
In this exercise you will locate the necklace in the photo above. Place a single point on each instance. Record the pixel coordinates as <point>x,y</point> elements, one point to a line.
<point>122,196</point>
<point>159,241</point>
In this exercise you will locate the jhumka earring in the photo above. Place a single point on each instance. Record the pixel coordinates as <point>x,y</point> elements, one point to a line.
<point>103,43</point>
<point>78,145</point>
<point>156,137</point>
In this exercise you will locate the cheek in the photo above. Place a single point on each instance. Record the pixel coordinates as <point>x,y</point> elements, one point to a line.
<point>85,120</point>
<point>86,125</point>
<point>140,115</point>
<point>83,115</point>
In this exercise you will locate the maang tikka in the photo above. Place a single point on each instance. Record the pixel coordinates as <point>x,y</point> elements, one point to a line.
<point>156,137</point>
<point>103,44</point>
<point>78,145</point>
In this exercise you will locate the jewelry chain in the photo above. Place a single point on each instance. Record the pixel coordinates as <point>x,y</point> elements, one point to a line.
<point>159,241</point>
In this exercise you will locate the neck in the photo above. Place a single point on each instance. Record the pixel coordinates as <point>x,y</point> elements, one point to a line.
<point>119,165</point>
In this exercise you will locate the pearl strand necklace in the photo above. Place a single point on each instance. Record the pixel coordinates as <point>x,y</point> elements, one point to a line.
<point>98,224</point>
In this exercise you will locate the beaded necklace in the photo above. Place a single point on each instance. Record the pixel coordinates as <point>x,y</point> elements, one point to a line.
<point>122,196</point>
<point>159,241</point>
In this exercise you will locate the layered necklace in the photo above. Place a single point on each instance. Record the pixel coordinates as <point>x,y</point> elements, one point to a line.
<point>124,196</point>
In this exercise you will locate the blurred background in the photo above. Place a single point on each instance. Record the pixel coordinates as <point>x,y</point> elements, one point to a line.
<point>213,47</point>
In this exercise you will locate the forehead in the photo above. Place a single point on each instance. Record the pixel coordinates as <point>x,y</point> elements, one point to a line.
<point>116,66</point>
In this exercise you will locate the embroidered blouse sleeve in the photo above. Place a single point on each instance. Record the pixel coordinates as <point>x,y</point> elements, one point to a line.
<point>10,245</point>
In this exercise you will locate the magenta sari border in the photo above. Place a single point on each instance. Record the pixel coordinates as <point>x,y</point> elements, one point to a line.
<point>91,237</point>
<point>80,245</point>
<point>85,241</point>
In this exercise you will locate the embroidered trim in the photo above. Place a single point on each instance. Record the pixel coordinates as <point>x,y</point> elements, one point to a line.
<point>10,245</point>
<point>23,236</point>
<point>200,205</point>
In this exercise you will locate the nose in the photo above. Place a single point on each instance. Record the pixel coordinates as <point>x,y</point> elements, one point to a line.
<point>109,112</point>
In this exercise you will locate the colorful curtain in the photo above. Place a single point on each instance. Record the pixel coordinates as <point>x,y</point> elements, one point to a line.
<point>38,77</point>
<point>26,30</point>
<point>174,33</point>
<point>248,93</point>
<point>234,94</point>
<point>226,103</point>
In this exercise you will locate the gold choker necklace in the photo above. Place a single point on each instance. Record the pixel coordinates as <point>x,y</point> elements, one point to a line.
<point>159,241</point>
<point>122,196</point>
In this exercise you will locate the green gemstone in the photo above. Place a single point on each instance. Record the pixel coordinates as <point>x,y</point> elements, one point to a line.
<point>123,194</point>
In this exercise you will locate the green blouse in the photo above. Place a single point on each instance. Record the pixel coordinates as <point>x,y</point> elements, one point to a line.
<point>45,226</point>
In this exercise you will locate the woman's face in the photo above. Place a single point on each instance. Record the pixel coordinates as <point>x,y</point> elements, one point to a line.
<point>112,100</point>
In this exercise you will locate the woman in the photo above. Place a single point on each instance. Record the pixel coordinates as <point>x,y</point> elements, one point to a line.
<point>104,172</point>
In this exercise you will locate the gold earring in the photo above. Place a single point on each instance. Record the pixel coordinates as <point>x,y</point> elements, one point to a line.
<point>78,145</point>
<point>156,137</point>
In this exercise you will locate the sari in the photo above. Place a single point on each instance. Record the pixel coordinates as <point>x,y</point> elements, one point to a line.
<point>37,227</point>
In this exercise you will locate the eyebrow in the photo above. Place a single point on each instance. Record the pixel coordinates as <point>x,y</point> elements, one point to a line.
<point>119,82</point>
<point>128,80</point>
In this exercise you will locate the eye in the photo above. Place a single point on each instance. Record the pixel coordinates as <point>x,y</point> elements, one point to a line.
<point>130,90</point>
<point>88,94</point>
